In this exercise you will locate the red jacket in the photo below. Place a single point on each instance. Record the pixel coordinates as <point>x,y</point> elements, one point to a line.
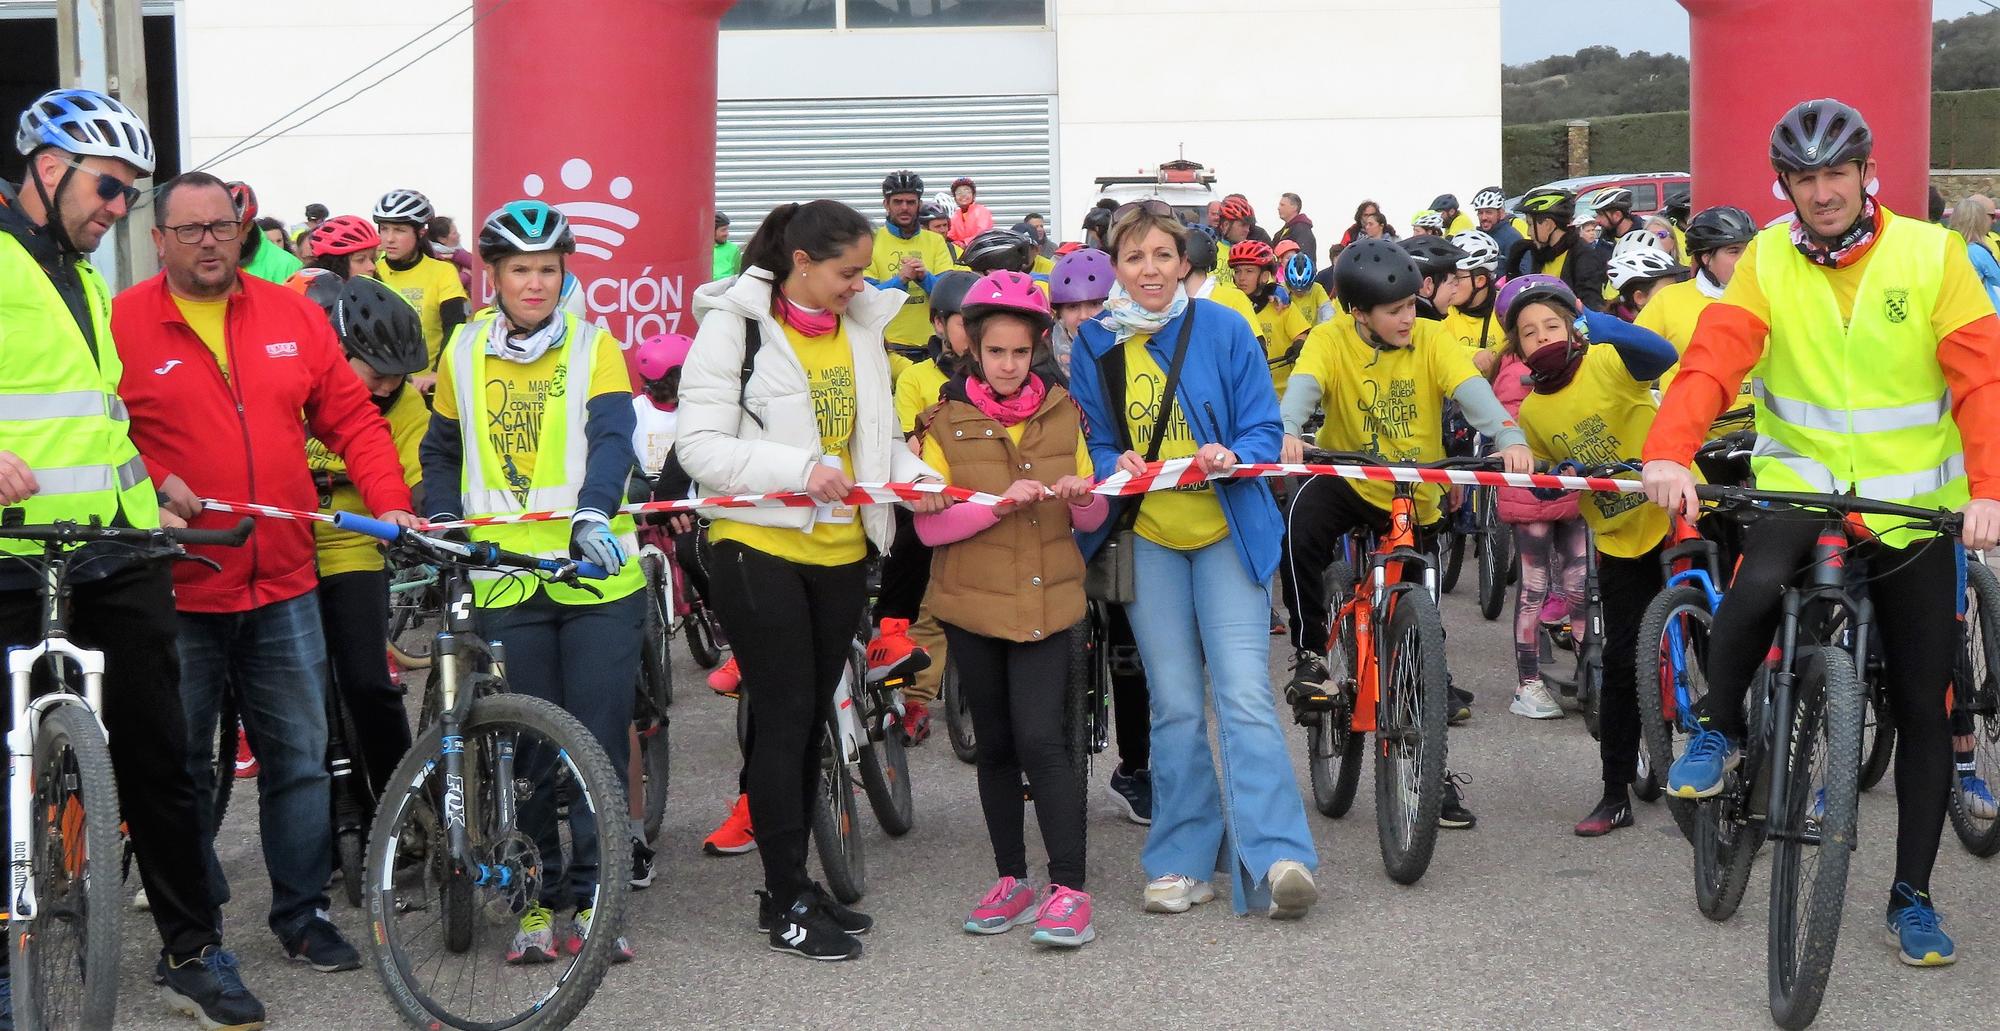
<point>244,438</point>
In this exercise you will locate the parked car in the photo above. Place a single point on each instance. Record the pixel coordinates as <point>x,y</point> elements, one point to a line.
<point>1188,186</point>
<point>1650,190</point>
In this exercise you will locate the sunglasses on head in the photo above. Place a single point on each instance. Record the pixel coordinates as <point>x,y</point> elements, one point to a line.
<point>1151,207</point>
<point>109,187</point>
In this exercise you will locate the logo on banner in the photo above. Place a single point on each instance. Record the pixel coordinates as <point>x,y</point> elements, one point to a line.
<point>600,228</point>
<point>631,307</point>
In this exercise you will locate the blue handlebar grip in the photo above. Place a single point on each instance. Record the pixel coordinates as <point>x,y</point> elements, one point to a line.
<point>372,527</point>
<point>591,571</point>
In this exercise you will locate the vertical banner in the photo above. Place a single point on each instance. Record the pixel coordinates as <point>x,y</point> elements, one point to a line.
<point>606,111</point>
<point>1753,59</point>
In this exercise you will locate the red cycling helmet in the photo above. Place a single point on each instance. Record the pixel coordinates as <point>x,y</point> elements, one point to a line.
<point>1236,209</point>
<point>245,199</point>
<point>1283,248</point>
<point>1067,247</point>
<point>661,354</point>
<point>1008,291</point>
<point>1252,252</point>
<point>343,234</point>
<point>964,180</point>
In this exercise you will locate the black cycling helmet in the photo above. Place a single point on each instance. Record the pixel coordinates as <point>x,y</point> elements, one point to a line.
<point>1436,257</point>
<point>1820,134</point>
<point>931,211</point>
<point>1373,272</point>
<point>1097,220</point>
<point>1444,202</point>
<point>377,326</point>
<point>1201,250</point>
<point>1550,202</point>
<point>997,250</point>
<point>524,227</point>
<point>948,296</point>
<point>1719,227</point>
<point>902,181</point>
<point>324,290</point>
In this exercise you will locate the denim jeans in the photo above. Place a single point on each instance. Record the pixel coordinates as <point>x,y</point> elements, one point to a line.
<point>274,661</point>
<point>1254,816</point>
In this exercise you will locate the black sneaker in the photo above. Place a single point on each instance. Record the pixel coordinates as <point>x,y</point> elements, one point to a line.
<point>849,921</point>
<point>1458,705</point>
<point>807,929</point>
<point>1453,815</point>
<point>1133,793</point>
<point>1613,812</point>
<point>1308,678</point>
<point>642,864</point>
<point>319,945</point>
<point>208,988</point>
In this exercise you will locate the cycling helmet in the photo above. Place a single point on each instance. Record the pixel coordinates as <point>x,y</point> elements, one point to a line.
<point>1201,253</point>
<point>1524,290</point>
<point>948,296</point>
<point>902,181</point>
<point>1436,257</point>
<point>1718,227</point>
<point>1008,291</point>
<point>343,234</point>
<point>1299,272</point>
<point>1085,275</point>
<point>1489,198</point>
<point>998,249</point>
<point>1251,252</point>
<point>1445,202</point>
<point>406,206</point>
<point>1549,202</point>
<point>1236,209</point>
<point>524,227</point>
<point>1612,198</point>
<point>88,124</point>
<point>379,327</point>
<point>963,180</point>
<point>1637,240</point>
<point>1641,264</point>
<point>1373,272</point>
<point>1427,219</point>
<point>1482,252</point>
<point>1820,134</point>
<point>245,199</point>
<point>323,288</point>
<point>660,354</point>
<point>1583,217</point>
<point>931,212</point>
<point>721,220</point>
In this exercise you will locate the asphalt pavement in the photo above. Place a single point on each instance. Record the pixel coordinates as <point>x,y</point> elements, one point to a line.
<point>1517,924</point>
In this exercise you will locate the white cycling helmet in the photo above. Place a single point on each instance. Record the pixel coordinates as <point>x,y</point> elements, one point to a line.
<point>404,206</point>
<point>1584,216</point>
<point>1641,264</point>
<point>1612,197</point>
<point>88,124</point>
<point>1428,219</point>
<point>1489,198</point>
<point>1637,240</point>
<point>1482,252</point>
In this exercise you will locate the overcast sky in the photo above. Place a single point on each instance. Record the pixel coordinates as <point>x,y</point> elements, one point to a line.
<point>1534,29</point>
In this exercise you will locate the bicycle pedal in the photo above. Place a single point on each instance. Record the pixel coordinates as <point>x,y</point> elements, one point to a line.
<point>1315,701</point>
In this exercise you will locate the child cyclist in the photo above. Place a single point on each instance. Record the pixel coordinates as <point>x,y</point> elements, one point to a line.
<point>1079,285</point>
<point>1007,583</point>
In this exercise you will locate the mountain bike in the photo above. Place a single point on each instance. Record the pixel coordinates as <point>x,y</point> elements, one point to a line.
<point>1386,674</point>
<point>863,743</point>
<point>63,835</point>
<point>1975,697</point>
<point>1797,785</point>
<point>415,602</point>
<point>500,795</point>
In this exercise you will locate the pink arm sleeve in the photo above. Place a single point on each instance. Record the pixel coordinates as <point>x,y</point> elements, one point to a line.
<point>1091,516</point>
<point>955,524</point>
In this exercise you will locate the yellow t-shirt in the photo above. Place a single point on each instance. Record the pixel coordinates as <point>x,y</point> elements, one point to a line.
<point>1310,303</point>
<point>206,318</point>
<point>1389,403</point>
<point>1042,267</point>
<point>912,325</point>
<point>934,452</point>
<point>1601,418</point>
<point>1278,326</point>
<point>343,552</point>
<point>1226,294</point>
<point>426,285</point>
<point>515,394</point>
<point>1673,312</point>
<point>916,391</point>
<point>829,365</point>
<point>1961,298</point>
<point>1459,224</point>
<point>1469,330</point>
<point>1185,518</point>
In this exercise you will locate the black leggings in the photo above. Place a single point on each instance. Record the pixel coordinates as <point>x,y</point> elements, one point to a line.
<point>1131,703</point>
<point>1016,691</point>
<point>1916,623</point>
<point>1627,587</point>
<point>906,572</point>
<point>803,619</point>
<point>353,612</point>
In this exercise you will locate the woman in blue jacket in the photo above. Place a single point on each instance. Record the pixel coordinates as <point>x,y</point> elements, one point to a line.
<point>1216,541</point>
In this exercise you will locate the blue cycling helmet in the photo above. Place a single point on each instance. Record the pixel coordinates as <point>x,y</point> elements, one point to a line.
<point>1299,272</point>
<point>88,124</point>
<point>524,227</point>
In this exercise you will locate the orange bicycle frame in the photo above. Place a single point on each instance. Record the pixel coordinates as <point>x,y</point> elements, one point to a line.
<point>1360,607</point>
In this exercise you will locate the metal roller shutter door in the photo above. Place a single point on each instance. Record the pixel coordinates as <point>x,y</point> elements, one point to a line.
<point>771,152</point>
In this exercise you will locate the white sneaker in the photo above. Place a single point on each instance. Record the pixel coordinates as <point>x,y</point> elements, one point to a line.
<point>1175,893</point>
<point>1292,889</point>
<point>1533,700</point>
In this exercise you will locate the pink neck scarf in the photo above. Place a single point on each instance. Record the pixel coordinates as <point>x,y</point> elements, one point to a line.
<point>807,322</point>
<point>1006,411</point>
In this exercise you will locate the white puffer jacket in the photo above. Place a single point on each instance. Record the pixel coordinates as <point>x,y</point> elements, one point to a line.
<point>727,452</point>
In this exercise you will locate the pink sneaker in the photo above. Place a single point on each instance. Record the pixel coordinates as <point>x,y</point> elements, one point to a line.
<point>1064,919</point>
<point>1009,902</point>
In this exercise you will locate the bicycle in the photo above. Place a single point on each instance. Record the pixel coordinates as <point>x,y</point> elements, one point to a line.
<point>1976,698</point>
<point>1797,785</point>
<point>415,602</point>
<point>63,824</point>
<point>957,715</point>
<point>1386,674</point>
<point>459,847</point>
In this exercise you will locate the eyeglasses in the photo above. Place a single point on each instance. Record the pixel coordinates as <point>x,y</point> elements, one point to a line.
<point>1151,207</point>
<point>109,187</point>
<point>192,232</point>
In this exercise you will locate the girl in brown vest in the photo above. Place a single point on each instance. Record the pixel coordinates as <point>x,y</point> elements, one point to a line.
<point>1007,583</point>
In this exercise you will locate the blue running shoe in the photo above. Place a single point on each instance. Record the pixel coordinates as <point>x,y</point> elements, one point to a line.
<point>1975,799</point>
<point>1914,930</point>
<point>1699,772</point>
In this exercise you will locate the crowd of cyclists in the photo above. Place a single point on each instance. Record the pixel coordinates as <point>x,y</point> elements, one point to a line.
<point>937,348</point>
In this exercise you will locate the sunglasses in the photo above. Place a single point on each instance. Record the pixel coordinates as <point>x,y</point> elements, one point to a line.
<point>109,187</point>
<point>1151,207</point>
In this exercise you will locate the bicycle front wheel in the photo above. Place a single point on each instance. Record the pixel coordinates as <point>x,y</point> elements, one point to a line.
<point>1976,693</point>
<point>656,669</point>
<point>442,925</point>
<point>836,823</point>
<point>958,716</point>
<point>1410,739</point>
<point>66,959</point>
<point>1333,749</point>
<point>1496,560</point>
<point>1822,752</point>
<point>655,754</point>
<point>1673,652</point>
<point>885,760</point>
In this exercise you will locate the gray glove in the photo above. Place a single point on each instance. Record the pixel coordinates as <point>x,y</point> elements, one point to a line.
<point>593,540</point>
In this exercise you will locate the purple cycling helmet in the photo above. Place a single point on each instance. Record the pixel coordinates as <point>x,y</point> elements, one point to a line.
<point>1520,291</point>
<point>1081,275</point>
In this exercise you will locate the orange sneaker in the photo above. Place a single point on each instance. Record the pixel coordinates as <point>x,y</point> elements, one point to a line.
<point>726,678</point>
<point>734,837</point>
<point>893,653</point>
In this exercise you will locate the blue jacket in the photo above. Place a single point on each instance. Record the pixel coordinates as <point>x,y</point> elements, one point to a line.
<point>1225,391</point>
<point>1988,268</point>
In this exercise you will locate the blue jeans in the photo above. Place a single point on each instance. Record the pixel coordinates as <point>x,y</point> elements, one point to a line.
<point>273,659</point>
<point>1195,829</point>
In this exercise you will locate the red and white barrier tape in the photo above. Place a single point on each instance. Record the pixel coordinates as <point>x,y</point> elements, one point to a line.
<point>1168,475</point>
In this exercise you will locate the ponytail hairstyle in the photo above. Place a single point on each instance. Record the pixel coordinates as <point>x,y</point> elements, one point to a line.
<point>821,228</point>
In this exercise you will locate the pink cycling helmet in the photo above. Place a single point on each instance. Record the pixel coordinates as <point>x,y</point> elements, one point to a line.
<point>1081,275</point>
<point>659,355</point>
<point>1008,291</point>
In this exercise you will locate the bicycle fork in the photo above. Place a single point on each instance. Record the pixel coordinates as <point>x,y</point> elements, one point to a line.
<point>21,663</point>
<point>458,837</point>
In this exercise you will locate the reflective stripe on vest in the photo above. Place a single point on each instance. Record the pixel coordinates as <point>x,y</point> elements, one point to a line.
<point>1863,405</point>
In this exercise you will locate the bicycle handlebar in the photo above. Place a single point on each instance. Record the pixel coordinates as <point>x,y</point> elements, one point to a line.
<point>91,533</point>
<point>1842,504</point>
<point>1315,456</point>
<point>473,553</point>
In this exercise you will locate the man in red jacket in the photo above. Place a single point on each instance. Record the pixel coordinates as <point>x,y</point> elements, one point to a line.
<point>219,369</point>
